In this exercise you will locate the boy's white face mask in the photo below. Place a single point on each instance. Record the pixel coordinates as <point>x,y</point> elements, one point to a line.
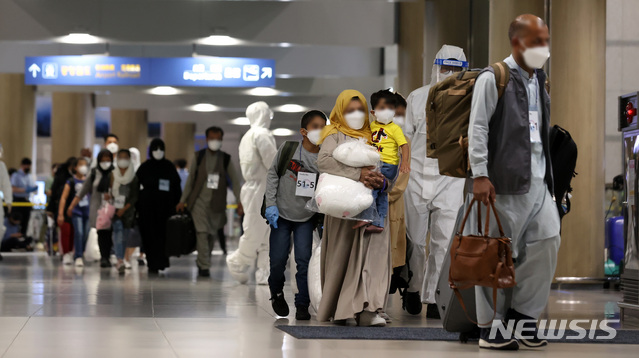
<point>314,135</point>
<point>385,116</point>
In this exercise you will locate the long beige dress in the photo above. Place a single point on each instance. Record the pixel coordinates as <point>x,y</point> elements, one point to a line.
<point>355,265</point>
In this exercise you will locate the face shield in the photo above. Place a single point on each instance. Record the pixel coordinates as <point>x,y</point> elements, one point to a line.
<point>444,68</point>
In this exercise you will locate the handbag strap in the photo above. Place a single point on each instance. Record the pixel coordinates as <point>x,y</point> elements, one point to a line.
<point>470,207</point>
<point>501,229</point>
<point>461,299</point>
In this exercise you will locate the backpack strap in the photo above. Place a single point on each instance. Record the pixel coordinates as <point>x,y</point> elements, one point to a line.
<point>198,161</point>
<point>288,150</point>
<point>502,76</point>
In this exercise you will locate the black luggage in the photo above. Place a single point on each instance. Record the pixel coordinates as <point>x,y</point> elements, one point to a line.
<point>563,154</point>
<point>180,235</point>
<point>453,317</point>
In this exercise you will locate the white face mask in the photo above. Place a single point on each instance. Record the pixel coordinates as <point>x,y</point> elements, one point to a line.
<point>83,170</point>
<point>105,165</point>
<point>443,76</point>
<point>384,116</point>
<point>399,120</point>
<point>536,57</point>
<point>314,135</point>
<point>123,163</point>
<point>113,147</point>
<point>355,119</point>
<point>214,144</point>
<point>158,154</point>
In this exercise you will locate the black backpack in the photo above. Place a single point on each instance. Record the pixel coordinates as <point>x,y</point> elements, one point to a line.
<point>563,154</point>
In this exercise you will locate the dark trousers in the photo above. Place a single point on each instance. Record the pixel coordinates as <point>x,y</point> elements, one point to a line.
<point>222,237</point>
<point>105,241</point>
<point>280,247</point>
<point>153,232</point>
<point>25,211</point>
<point>13,243</point>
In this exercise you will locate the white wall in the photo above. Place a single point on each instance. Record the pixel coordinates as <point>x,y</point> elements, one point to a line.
<point>622,75</point>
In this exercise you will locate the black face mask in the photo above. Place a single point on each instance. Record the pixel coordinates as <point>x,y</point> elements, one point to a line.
<point>27,170</point>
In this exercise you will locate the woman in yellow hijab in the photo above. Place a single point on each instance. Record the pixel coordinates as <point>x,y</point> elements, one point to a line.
<point>355,264</point>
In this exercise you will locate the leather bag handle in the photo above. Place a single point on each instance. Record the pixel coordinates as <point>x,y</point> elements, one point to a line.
<point>470,207</point>
<point>501,229</point>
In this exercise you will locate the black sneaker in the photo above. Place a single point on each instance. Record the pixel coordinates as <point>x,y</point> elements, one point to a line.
<point>412,302</point>
<point>498,342</point>
<point>104,263</point>
<point>432,311</point>
<point>203,273</point>
<point>279,304</point>
<point>301,313</point>
<point>530,336</point>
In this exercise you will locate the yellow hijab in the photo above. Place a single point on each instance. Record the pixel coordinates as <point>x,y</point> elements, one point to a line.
<point>338,123</point>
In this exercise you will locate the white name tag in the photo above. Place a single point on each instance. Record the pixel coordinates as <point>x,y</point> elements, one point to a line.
<point>213,181</point>
<point>85,201</point>
<point>306,183</point>
<point>533,118</point>
<point>164,185</point>
<point>119,201</point>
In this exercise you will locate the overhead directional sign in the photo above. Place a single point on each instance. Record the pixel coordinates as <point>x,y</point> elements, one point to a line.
<point>147,71</point>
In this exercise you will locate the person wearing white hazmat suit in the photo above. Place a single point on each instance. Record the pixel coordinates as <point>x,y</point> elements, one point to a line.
<point>257,151</point>
<point>432,200</point>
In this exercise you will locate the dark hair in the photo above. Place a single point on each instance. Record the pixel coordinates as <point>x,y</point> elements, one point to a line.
<point>25,161</point>
<point>308,117</point>
<point>105,153</point>
<point>111,135</point>
<point>400,101</point>
<point>521,23</point>
<point>16,215</point>
<point>214,129</point>
<point>11,171</point>
<point>125,151</point>
<point>386,95</point>
<point>54,165</point>
<point>156,143</point>
<point>180,163</point>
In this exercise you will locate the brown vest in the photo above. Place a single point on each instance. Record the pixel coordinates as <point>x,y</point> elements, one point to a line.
<point>218,198</point>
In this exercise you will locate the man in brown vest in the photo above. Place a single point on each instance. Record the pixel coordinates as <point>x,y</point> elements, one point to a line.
<point>210,174</point>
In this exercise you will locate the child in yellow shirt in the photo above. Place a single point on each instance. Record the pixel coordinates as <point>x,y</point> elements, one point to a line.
<point>389,138</point>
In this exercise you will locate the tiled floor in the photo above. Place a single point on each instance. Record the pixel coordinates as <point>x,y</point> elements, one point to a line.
<point>47,310</point>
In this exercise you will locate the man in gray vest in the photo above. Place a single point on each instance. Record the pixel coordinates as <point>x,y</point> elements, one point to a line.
<point>210,174</point>
<point>510,163</point>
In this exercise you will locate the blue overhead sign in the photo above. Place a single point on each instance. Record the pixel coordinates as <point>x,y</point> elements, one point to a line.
<point>142,71</point>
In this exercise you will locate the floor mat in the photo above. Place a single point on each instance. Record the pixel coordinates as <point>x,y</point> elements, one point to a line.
<point>438,334</point>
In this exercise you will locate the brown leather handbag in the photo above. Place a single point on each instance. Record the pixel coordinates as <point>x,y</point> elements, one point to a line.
<point>481,260</point>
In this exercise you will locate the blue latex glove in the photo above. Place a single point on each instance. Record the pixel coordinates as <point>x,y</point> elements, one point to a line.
<point>31,189</point>
<point>272,213</point>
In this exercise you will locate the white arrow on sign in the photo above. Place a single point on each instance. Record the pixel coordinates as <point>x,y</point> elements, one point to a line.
<point>34,69</point>
<point>267,72</point>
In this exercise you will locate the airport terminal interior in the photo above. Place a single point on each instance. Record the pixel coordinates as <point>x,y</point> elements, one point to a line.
<point>188,178</point>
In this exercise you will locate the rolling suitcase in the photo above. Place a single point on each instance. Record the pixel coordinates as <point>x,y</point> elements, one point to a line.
<point>453,316</point>
<point>180,235</point>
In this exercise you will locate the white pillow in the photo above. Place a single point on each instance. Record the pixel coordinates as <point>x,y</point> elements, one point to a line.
<point>342,197</point>
<point>356,153</point>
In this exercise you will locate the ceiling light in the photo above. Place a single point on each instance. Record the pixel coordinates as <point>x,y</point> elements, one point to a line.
<point>291,108</point>
<point>204,107</point>
<point>164,91</point>
<point>285,44</point>
<point>282,132</point>
<point>241,121</point>
<point>80,38</point>
<point>220,40</point>
<point>263,91</point>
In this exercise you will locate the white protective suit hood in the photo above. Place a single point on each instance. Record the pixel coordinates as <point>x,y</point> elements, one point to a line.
<point>446,52</point>
<point>135,158</point>
<point>259,115</point>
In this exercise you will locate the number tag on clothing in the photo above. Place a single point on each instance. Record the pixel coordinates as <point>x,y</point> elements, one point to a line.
<point>119,201</point>
<point>533,117</point>
<point>213,181</point>
<point>305,184</point>
<point>85,201</point>
<point>164,185</point>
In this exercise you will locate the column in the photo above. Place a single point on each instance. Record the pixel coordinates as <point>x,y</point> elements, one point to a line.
<point>502,13</point>
<point>131,127</point>
<point>17,119</point>
<point>72,124</point>
<point>179,139</point>
<point>578,65</point>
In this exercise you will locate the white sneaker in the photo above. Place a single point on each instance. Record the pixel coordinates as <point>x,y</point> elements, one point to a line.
<point>385,316</point>
<point>67,259</point>
<point>127,264</point>
<point>370,319</point>
<point>79,262</point>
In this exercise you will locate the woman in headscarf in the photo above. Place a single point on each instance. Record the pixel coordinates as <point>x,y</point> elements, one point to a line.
<point>159,195</point>
<point>98,185</point>
<point>355,264</point>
